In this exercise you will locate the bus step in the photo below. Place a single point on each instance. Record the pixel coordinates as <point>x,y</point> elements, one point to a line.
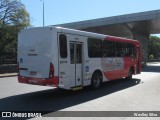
<point>77,88</point>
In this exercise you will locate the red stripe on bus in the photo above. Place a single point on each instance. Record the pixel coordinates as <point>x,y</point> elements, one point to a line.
<point>115,74</point>
<point>119,39</point>
<point>39,81</point>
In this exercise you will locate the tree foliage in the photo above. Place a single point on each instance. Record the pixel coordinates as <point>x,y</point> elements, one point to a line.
<point>13,18</point>
<point>154,46</point>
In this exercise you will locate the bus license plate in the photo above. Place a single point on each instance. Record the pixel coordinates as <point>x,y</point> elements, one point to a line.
<point>33,73</point>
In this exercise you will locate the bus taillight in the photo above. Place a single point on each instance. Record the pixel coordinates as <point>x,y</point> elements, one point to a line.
<point>51,71</point>
<point>18,70</point>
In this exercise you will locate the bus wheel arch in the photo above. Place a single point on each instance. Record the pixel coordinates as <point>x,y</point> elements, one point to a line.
<point>130,73</point>
<point>97,79</point>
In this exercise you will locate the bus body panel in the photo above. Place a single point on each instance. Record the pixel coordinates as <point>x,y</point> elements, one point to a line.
<point>112,67</point>
<point>40,61</point>
<point>36,51</point>
<point>129,62</point>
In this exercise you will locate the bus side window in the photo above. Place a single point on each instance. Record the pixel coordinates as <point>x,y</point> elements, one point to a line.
<point>72,53</point>
<point>94,48</point>
<point>130,50</point>
<point>104,48</point>
<point>63,45</point>
<point>108,48</point>
<point>120,49</point>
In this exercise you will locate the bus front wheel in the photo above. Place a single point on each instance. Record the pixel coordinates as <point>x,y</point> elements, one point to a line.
<point>129,77</point>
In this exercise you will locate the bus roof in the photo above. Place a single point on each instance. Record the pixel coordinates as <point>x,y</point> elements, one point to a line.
<point>88,34</point>
<point>106,37</point>
<point>120,39</point>
<point>81,33</point>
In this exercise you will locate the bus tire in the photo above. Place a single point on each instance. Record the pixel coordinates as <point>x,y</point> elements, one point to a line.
<point>129,77</point>
<point>96,80</point>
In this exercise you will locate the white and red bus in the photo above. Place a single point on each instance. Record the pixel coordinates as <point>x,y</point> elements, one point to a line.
<point>72,59</point>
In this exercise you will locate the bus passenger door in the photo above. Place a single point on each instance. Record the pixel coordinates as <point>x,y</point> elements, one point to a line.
<point>76,64</point>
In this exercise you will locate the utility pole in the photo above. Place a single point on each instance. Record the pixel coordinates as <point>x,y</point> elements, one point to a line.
<point>43,12</point>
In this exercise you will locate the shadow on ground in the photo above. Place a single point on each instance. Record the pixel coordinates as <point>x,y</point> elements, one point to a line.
<point>56,99</point>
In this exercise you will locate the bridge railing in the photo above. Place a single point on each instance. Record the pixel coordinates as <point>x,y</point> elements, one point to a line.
<point>8,63</point>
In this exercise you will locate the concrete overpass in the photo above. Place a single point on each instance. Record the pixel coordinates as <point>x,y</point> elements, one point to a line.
<point>138,26</point>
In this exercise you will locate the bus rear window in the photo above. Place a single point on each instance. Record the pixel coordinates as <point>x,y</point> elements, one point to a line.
<point>63,45</point>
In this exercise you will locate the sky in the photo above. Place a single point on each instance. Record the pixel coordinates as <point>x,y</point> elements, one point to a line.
<point>66,11</point>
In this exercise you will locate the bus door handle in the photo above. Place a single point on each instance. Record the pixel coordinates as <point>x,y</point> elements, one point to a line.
<point>64,76</point>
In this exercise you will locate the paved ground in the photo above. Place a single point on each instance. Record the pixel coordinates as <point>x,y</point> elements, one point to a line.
<point>140,94</point>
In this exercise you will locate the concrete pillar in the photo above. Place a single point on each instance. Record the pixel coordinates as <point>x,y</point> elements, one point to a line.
<point>143,38</point>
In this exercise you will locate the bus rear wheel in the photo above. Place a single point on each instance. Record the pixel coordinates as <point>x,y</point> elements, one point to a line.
<point>96,80</point>
<point>129,77</point>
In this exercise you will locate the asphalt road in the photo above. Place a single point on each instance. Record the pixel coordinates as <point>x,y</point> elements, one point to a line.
<point>140,94</point>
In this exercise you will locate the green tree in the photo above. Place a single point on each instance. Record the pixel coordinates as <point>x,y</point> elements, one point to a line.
<point>151,57</point>
<point>154,46</point>
<point>13,18</point>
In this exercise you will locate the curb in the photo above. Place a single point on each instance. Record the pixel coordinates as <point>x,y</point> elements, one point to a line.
<point>8,75</point>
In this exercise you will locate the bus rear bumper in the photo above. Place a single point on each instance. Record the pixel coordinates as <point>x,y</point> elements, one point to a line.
<point>39,81</point>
